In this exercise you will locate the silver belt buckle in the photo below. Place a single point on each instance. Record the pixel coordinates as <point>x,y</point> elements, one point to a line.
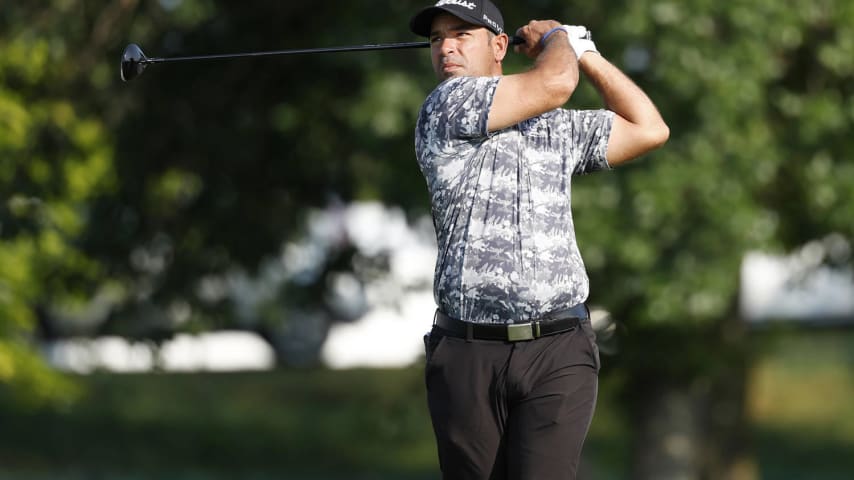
<point>518,332</point>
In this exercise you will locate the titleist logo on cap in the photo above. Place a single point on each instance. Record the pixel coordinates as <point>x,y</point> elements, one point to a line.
<point>461,3</point>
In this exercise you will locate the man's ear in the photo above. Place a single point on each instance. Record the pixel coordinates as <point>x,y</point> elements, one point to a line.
<point>499,46</point>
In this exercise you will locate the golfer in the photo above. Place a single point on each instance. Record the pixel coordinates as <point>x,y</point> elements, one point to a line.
<point>512,364</point>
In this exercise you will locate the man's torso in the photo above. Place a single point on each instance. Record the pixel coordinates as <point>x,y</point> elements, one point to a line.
<point>501,203</point>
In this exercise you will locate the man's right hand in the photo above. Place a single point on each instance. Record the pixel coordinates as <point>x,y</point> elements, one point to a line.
<point>533,34</point>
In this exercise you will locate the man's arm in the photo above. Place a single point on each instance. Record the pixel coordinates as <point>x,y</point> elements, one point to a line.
<point>638,127</point>
<point>547,86</point>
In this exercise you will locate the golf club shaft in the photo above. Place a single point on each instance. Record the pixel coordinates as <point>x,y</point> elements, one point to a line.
<point>356,48</point>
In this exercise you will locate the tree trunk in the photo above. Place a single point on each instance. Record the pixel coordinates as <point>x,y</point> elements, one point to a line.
<point>729,452</point>
<point>669,435</point>
<point>694,426</point>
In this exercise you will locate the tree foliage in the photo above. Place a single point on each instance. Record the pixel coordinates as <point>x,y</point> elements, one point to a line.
<point>56,156</point>
<point>755,94</point>
<point>122,202</point>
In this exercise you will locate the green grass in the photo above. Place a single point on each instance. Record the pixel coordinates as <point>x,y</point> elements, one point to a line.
<point>373,424</point>
<point>313,420</point>
<point>802,405</point>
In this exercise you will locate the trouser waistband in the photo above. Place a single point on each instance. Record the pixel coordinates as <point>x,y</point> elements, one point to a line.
<point>551,324</point>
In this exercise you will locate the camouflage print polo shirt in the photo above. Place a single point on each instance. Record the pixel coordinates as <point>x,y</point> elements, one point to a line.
<point>501,202</point>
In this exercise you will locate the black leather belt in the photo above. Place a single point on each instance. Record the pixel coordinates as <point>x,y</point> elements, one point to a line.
<point>551,324</point>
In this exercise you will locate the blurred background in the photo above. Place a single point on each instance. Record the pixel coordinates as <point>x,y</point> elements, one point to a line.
<point>223,269</point>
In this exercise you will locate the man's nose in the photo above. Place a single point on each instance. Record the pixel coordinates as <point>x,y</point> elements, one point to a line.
<point>447,45</point>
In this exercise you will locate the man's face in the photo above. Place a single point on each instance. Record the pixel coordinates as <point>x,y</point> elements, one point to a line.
<point>460,49</point>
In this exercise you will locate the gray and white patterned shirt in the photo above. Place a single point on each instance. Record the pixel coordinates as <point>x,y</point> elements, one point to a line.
<point>501,202</point>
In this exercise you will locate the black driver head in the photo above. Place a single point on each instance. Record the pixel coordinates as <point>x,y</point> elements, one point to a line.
<point>133,62</point>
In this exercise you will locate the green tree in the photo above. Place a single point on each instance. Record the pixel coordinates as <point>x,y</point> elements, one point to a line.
<point>219,162</point>
<point>54,158</point>
<point>134,196</point>
<point>758,98</point>
<point>193,171</point>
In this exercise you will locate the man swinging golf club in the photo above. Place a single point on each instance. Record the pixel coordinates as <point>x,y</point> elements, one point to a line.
<point>512,364</point>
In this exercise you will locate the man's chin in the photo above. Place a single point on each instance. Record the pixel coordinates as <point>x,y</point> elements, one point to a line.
<point>446,75</point>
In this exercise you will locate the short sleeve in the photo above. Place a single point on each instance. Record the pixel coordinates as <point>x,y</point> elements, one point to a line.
<point>590,131</point>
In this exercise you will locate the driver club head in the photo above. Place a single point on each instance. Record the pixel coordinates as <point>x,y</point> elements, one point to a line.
<point>133,62</point>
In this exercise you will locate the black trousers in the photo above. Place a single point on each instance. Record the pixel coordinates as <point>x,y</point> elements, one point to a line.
<point>511,411</point>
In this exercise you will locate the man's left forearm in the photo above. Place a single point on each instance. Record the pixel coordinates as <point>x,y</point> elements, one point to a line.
<point>638,127</point>
<point>620,94</point>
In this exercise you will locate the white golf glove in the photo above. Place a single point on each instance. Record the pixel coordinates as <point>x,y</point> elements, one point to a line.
<point>580,38</point>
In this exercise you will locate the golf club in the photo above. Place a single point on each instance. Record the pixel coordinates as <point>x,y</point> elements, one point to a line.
<point>134,61</point>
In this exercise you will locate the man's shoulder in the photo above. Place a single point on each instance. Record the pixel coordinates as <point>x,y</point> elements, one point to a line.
<point>441,92</point>
<point>459,88</point>
<point>458,107</point>
<point>455,83</point>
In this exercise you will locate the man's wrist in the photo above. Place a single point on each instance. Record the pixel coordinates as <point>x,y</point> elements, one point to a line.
<point>547,36</point>
<point>582,46</point>
<point>578,36</point>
